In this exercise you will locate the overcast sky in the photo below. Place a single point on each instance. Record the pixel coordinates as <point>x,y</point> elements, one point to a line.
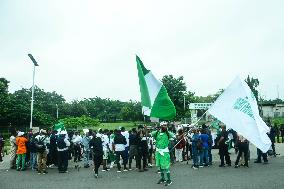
<point>87,48</point>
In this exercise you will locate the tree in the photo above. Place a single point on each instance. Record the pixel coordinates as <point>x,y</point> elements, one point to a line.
<point>4,100</point>
<point>253,83</point>
<point>176,89</point>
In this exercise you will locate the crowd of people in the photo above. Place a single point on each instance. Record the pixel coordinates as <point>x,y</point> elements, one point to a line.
<point>163,144</point>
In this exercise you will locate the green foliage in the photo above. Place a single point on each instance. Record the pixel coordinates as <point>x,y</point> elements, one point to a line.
<point>178,93</point>
<point>4,99</point>
<point>253,83</point>
<point>209,98</point>
<point>278,121</point>
<point>79,122</point>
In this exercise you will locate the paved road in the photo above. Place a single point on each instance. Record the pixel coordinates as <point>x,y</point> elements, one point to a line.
<point>256,177</point>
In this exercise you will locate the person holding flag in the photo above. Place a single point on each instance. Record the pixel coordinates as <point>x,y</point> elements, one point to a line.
<point>162,154</point>
<point>156,103</point>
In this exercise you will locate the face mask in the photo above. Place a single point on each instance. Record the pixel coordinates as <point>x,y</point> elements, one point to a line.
<point>164,129</point>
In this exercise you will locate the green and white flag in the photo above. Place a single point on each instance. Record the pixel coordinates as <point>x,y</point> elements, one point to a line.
<point>237,108</point>
<point>154,97</point>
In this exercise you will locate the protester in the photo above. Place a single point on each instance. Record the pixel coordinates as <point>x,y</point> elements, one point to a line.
<point>13,149</point>
<point>223,147</point>
<point>62,148</point>
<point>21,151</point>
<point>243,148</point>
<point>119,148</point>
<point>195,151</point>
<point>1,146</point>
<point>271,135</point>
<point>86,148</point>
<point>133,148</point>
<point>96,145</point>
<point>52,155</point>
<point>162,153</point>
<point>180,146</point>
<point>204,150</point>
<point>142,149</point>
<point>41,144</point>
<point>126,135</point>
<point>77,141</point>
<point>106,149</point>
<point>150,150</point>
<point>33,152</point>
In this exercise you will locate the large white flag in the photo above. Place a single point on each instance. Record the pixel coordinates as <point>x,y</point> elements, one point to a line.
<point>237,108</point>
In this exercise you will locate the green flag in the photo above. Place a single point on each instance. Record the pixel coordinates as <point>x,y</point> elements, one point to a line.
<point>59,126</point>
<point>154,97</point>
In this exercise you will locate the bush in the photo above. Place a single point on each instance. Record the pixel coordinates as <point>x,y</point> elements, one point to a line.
<point>278,121</point>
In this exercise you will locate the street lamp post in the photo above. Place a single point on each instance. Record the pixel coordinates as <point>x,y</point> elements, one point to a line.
<point>57,111</point>
<point>33,88</point>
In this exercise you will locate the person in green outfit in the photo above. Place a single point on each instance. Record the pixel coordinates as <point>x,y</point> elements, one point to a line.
<point>162,152</point>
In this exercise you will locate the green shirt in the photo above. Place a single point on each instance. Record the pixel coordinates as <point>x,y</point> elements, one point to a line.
<point>162,139</point>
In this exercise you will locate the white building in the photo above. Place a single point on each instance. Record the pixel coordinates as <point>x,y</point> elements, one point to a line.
<point>272,110</point>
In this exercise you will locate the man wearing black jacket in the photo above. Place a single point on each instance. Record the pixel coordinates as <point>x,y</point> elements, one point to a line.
<point>133,142</point>
<point>142,148</point>
<point>96,146</point>
<point>119,148</point>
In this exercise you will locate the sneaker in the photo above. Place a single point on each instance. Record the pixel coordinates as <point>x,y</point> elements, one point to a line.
<point>130,169</point>
<point>161,181</point>
<point>96,176</point>
<point>44,172</point>
<point>169,182</point>
<point>195,168</point>
<point>125,170</point>
<point>119,171</point>
<point>159,172</point>
<point>39,172</point>
<point>104,170</point>
<point>237,166</point>
<point>221,165</point>
<point>201,166</point>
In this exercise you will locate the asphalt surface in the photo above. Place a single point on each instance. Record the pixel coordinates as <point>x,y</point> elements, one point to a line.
<point>255,177</point>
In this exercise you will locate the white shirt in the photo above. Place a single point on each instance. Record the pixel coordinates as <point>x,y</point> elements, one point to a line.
<point>119,147</point>
<point>126,135</point>
<point>77,139</point>
<point>105,141</point>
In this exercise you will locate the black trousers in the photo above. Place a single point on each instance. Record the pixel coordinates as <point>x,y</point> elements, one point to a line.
<point>122,155</point>
<point>273,147</point>
<point>224,154</point>
<point>259,154</point>
<point>97,159</point>
<point>243,148</point>
<point>77,153</point>
<point>62,161</point>
<point>142,154</point>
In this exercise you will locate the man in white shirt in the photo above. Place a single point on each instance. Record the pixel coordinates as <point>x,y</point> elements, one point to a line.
<point>106,144</point>
<point>77,141</point>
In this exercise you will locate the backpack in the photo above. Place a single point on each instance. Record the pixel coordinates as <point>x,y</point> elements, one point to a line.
<point>40,145</point>
<point>199,144</point>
